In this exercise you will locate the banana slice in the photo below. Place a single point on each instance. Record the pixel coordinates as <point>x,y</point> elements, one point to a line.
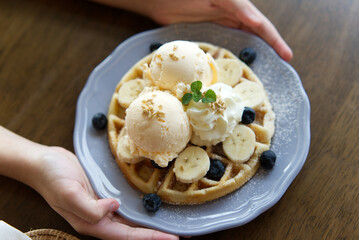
<point>129,91</point>
<point>239,146</point>
<point>191,165</point>
<point>230,71</point>
<point>123,148</point>
<point>252,94</point>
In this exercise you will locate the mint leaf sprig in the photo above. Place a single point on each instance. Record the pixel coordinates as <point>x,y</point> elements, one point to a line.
<point>208,97</point>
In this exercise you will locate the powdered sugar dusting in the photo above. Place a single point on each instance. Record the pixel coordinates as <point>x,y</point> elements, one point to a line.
<point>285,95</point>
<point>237,208</point>
<point>285,98</point>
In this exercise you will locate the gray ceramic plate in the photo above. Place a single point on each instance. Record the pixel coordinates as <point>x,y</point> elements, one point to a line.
<point>290,142</point>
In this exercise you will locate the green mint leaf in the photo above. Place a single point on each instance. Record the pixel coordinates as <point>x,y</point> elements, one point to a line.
<point>197,96</point>
<point>186,98</point>
<point>208,100</point>
<point>210,94</point>
<point>196,86</point>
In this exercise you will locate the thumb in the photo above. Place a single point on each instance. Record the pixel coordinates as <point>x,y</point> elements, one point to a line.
<point>241,10</point>
<point>94,210</point>
<point>247,13</point>
<point>90,209</point>
<point>100,209</point>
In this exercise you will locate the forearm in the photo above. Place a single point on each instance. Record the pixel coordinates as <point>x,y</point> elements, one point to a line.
<point>19,157</point>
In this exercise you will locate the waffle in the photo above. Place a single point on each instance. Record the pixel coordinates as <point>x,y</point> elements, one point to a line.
<point>142,175</point>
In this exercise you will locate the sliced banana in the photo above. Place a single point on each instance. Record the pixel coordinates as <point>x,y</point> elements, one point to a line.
<point>239,146</point>
<point>230,71</point>
<point>123,148</point>
<point>191,165</point>
<point>129,91</point>
<point>252,94</point>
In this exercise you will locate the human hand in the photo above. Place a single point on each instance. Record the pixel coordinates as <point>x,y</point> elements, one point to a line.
<point>241,14</point>
<point>64,185</point>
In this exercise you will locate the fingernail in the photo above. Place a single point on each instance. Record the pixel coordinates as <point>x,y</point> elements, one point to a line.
<point>113,207</point>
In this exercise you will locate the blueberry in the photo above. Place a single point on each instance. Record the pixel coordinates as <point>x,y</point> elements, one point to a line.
<point>267,159</point>
<point>216,170</point>
<point>151,202</point>
<point>99,121</point>
<point>247,55</point>
<point>155,45</point>
<point>155,165</point>
<point>248,115</point>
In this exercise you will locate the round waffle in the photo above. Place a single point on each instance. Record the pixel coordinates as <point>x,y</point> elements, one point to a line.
<point>144,176</point>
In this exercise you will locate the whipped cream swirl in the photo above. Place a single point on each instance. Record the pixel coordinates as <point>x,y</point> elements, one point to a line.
<point>213,122</point>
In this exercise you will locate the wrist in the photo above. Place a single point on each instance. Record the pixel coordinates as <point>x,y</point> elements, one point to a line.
<point>20,158</point>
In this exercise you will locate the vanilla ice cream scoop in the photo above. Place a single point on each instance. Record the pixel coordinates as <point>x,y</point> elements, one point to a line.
<point>182,62</point>
<point>158,126</point>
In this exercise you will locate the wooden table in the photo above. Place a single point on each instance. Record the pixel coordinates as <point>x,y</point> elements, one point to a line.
<point>49,48</point>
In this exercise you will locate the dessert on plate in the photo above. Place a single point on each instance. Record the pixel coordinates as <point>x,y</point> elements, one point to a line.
<point>189,122</point>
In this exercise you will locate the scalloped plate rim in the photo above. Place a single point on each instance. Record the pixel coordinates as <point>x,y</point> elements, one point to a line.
<point>213,226</point>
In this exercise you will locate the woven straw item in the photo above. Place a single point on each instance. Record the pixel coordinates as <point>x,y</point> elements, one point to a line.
<point>49,234</point>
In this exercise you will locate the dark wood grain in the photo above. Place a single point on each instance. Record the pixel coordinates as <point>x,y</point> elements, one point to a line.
<point>48,49</point>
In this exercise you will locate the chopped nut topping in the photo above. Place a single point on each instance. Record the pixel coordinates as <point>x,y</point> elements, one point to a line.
<point>218,106</point>
<point>147,109</point>
<point>159,56</point>
<point>174,57</point>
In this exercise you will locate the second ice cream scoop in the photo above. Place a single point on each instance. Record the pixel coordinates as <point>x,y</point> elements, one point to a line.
<point>158,126</point>
<point>182,62</point>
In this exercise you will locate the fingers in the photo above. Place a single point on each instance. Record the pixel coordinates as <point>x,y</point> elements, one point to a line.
<point>112,228</point>
<point>246,12</point>
<point>228,23</point>
<point>94,210</point>
<point>132,231</point>
<point>199,11</point>
<point>117,218</point>
<point>260,25</point>
<point>148,234</point>
<point>269,33</point>
<point>250,19</point>
<point>86,207</point>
